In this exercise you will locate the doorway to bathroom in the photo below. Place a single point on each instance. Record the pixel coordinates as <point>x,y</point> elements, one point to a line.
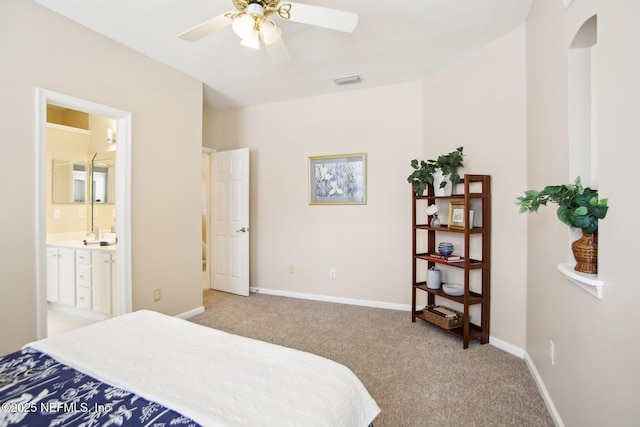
<point>94,195</point>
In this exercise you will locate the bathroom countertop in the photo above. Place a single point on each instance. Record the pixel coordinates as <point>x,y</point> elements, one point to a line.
<point>79,244</point>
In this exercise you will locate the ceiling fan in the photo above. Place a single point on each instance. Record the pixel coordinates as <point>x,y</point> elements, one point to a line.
<point>251,23</point>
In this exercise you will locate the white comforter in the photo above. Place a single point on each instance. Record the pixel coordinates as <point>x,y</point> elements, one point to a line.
<point>213,377</point>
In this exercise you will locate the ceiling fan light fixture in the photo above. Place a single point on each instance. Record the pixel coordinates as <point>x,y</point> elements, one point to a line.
<point>252,41</point>
<point>243,26</point>
<point>250,22</point>
<point>269,32</point>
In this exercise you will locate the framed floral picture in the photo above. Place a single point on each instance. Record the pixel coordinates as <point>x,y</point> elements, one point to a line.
<point>338,179</point>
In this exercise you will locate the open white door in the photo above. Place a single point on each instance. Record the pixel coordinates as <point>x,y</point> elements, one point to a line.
<point>230,221</point>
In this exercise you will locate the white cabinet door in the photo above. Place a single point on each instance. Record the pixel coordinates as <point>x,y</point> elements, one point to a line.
<point>102,276</point>
<point>83,299</point>
<point>66,276</point>
<point>52,275</point>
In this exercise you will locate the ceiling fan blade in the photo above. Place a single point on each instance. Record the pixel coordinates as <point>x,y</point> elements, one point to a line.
<point>323,17</point>
<point>277,51</point>
<point>206,28</point>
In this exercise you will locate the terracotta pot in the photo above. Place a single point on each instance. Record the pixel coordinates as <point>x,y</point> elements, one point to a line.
<point>585,251</point>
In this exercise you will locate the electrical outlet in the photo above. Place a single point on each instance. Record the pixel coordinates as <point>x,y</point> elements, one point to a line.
<point>156,294</point>
<point>332,273</point>
<point>292,268</point>
<point>552,352</point>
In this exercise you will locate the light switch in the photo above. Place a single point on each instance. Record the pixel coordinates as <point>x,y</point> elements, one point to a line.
<point>81,213</point>
<point>56,214</point>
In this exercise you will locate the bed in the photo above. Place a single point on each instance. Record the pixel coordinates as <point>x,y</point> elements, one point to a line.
<point>145,368</point>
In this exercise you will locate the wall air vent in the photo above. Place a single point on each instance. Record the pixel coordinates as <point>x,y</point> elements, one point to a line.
<point>348,80</point>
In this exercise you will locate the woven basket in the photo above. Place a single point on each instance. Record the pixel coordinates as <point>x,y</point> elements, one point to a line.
<point>443,322</point>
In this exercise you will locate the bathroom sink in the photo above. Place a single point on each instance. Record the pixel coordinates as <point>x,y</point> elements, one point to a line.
<point>98,242</point>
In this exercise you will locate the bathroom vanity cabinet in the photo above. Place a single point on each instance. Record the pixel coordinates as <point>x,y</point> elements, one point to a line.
<point>61,271</point>
<point>81,278</point>
<point>103,275</point>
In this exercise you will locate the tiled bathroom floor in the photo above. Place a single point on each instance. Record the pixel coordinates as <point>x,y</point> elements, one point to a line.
<point>59,322</point>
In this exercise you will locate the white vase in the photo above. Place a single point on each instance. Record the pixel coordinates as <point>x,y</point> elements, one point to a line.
<point>437,180</point>
<point>433,278</point>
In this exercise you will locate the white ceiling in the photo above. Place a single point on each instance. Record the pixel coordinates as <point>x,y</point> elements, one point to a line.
<point>395,41</point>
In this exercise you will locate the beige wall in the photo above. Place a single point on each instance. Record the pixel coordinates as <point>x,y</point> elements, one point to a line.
<point>368,245</point>
<point>595,380</point>
<point>41,49</point>
<point>479,103</point>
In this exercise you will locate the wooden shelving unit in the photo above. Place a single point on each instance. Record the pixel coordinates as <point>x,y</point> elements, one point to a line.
<point>476,194</point>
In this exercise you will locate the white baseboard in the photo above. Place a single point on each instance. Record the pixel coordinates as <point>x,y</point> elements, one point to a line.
<point>191,313</point>
<point>325,298</point>
<point>503,345</point>
<point>543,390</point>
<point>508,347</point>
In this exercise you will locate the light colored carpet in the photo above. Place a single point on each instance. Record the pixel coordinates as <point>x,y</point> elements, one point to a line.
<point>418,375</point>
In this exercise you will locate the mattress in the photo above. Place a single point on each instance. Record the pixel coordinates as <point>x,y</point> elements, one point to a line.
<point>209,377</point>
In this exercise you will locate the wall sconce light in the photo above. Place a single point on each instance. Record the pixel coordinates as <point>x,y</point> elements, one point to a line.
<point>111,136</point>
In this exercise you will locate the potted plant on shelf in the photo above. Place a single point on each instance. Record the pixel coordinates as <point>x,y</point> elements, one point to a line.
<point>578,207</point>
<point>442,173</point>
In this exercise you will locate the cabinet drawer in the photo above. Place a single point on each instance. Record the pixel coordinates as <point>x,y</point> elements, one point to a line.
<point>83,257</point>
<point>83,276</point>
<point>83,298</point>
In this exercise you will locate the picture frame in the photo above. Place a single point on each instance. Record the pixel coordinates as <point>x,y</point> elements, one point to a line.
<point>338,179</point>
<point>457,216</point>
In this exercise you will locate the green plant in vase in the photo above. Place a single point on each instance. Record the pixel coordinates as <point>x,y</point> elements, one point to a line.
<point>578,207</point>
<point>426,173</point>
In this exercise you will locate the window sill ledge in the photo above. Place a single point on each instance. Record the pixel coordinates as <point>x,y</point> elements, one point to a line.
<point>588,282</point>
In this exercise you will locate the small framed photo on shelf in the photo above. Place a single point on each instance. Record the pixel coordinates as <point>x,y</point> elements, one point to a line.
<point>457,216</point>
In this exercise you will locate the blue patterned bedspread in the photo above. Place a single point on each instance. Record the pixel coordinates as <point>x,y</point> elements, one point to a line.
<point>36,390</point>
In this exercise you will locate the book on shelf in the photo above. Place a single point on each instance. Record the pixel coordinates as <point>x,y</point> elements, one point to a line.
<point>444,258</point>
<point>441,311</point>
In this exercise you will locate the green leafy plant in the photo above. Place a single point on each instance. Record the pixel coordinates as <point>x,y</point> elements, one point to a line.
<point>423,173</point>
<point>578,206</point>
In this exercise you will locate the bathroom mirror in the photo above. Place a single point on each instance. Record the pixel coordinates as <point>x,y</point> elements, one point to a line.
<point>103,178</point>
<point>69,181</point>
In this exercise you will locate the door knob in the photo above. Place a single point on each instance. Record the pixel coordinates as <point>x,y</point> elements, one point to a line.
<point>242,230</point>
